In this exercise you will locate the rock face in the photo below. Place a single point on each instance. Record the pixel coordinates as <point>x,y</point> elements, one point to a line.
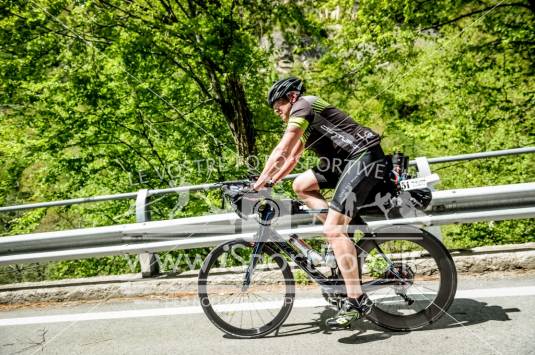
<point>477,260</point>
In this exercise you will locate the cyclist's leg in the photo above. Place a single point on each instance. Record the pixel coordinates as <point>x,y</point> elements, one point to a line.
<point>307,187</point>
<point>344,250</point>
<point>357,180</point>
<point>357,304</point>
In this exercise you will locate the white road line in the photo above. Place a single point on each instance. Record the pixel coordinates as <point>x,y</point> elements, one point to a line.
<point>299,303</point>
<point>497,292</point>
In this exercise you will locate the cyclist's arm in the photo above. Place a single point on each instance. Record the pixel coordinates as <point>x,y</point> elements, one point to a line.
<point>291,162</point>
<point>280,155</point>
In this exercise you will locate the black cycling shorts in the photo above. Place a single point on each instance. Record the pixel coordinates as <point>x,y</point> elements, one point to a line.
<point>352,179</point>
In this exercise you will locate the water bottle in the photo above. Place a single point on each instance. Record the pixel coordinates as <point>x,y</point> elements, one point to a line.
<point>312,256</point>
<point>330,259</point>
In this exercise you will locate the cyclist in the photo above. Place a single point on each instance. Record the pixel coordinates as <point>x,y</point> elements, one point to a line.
<point>351,162</point>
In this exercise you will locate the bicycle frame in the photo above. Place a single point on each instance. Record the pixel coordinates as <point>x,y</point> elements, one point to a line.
<point>268,237</point>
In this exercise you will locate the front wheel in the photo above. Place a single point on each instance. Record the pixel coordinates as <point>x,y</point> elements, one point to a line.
<point>250,311</point>
<point>409,275</point>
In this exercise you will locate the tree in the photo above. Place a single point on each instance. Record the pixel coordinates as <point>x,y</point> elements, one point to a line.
<point>103,91</point>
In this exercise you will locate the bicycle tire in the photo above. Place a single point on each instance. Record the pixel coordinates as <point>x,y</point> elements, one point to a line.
<point>225,325</point>
<point>446,268</point>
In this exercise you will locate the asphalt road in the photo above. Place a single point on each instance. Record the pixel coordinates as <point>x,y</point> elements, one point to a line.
<point>491,315</point>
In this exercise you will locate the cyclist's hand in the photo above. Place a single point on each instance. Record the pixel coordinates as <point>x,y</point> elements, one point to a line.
<point>258,185</point>
<point>248,189</point>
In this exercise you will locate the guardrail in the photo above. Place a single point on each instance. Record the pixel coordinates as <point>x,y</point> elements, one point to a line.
<point>211,240</point>
<point>156,192</point>
<point>513,201</point>
<point>449,206</point>
<point>443,202</point>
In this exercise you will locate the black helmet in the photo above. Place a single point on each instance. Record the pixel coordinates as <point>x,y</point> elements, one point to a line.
<point>282,87</point>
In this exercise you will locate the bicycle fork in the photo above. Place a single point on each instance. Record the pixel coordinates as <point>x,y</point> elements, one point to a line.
<point>257,254</point>
<point>260,238</point>
<point>266,214</point>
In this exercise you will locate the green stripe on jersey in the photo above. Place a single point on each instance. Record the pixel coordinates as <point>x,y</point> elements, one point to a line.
<point>299,122</point>
<point>305,135</point>
<point>320,105</point>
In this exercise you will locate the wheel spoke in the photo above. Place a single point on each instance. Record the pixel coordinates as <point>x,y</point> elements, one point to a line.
<point>251,313</point>
<point>241,313</point>
<point>232,313</point>
<point>260,315</point>
<point>267,299</point>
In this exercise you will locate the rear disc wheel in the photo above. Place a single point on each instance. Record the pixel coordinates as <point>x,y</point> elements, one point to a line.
<point>423,279</point>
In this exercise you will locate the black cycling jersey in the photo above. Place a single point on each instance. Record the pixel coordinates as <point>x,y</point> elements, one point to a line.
<point>330,132</point>
<point>351,158</point>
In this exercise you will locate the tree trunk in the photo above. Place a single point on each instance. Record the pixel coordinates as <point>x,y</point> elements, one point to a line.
<point>239,117</point>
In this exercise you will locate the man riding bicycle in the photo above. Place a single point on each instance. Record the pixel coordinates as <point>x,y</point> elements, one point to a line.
<point>351,162</point>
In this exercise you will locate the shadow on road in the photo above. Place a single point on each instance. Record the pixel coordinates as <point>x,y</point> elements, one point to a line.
<point>462,313</point>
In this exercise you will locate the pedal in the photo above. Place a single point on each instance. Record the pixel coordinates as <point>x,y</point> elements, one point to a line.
<point>406,298</point>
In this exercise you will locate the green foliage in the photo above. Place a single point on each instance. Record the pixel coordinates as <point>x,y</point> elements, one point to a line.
<point>22,273</point>
<point>490,233</point>
<point>301,277</point>
<point>105,97</point>
<point>115,265</point>
<point>377,265</point>
<point>91,267</point>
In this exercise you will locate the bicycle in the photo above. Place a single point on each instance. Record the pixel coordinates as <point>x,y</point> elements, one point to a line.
<point>247,287</point>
